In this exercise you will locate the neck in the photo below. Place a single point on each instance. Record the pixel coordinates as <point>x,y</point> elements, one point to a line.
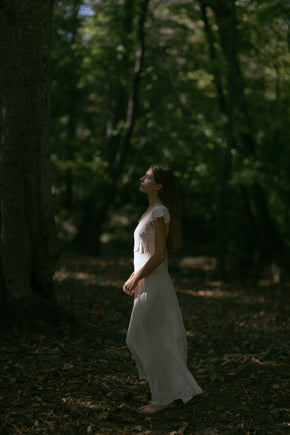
<point>153,199</point>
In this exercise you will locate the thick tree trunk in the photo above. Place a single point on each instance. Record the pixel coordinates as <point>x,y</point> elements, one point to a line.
<point>117,145</point>
<point>28,247</point>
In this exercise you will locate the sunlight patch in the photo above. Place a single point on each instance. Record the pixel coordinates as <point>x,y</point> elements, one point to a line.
<point>217,293</point>
<point>64,274</point>
<point>203,262</point>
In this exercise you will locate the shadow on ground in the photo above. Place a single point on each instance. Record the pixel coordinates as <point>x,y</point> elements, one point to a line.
<point>80,378</point>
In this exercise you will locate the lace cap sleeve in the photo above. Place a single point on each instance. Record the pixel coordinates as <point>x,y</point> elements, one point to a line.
<point>160,211</point>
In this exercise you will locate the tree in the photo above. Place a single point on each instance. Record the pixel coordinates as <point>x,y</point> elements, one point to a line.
<point>28,245</point>
<point>218,117</point>
<point>67,103</point>
<point>226,108</point>
<point>122,115</point>
<point>265,241</point>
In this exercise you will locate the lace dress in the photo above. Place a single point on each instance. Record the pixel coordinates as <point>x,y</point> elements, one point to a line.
<point>156,334</point>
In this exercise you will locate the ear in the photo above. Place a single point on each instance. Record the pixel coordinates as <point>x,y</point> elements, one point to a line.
<point>158,186</point>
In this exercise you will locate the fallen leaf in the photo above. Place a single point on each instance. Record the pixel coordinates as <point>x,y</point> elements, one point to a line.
<point>68,366</point>
<point>103,415</point>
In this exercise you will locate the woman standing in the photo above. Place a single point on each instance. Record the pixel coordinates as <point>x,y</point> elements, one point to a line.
<point>156,334</point>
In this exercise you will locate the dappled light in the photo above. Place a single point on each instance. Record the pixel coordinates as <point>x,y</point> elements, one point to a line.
<point>217,293</point>
<point>92,93</point>
<point>204,263</point>
<point>64,274</point>
<point>81,377</point>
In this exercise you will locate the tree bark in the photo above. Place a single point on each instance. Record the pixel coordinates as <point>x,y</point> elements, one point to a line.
<point>28,246</point>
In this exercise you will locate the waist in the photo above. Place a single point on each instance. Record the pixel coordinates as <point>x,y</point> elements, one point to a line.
<point>141,259</point>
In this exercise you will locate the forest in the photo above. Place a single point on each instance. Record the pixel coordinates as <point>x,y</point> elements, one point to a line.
<point>93,92</point>
<point>199,86</point>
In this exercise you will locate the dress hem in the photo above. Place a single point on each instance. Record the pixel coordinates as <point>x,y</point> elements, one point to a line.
<point>185,401</point>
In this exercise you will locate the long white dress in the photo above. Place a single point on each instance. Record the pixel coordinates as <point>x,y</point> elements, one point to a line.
<point>156,334</point>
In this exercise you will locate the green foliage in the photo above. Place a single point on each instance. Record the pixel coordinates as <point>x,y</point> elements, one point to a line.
<point>180,121</point>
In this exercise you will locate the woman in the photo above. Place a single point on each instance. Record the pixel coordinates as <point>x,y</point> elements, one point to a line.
<point>156,335</point>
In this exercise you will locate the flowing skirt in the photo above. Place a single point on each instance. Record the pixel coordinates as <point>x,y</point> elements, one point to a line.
<point>156,338</point>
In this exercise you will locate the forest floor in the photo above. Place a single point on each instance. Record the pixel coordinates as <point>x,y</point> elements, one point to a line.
<point>79,378</point>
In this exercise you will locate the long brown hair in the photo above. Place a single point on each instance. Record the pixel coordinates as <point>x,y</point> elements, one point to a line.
<point>168,197</point>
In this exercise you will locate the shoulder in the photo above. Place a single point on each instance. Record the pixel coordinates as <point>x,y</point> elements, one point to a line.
<point>160,211</point>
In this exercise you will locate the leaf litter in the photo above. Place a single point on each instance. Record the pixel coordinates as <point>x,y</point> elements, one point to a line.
<point>80,378</point>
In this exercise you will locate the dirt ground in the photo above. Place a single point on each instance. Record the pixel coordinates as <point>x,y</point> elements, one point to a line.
<point>79,377</point>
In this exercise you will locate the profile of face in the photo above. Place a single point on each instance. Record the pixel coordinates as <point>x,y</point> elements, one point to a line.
<point>148,184</point>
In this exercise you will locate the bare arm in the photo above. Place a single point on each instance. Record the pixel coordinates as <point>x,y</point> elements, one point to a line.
<point>158,256</point>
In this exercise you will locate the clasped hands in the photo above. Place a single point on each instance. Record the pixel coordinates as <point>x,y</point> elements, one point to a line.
<point>130,285</point>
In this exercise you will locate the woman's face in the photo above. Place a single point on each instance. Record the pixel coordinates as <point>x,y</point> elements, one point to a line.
<point>148,184</point>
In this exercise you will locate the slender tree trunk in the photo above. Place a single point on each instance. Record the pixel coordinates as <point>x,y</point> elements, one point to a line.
<point>118,146</point>
<point>28,247</point>
<point>72,104</point>
<point>267,242</point>
<point>226,103</point>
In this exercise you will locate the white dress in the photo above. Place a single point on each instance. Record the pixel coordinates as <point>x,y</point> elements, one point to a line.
<point>156,334</point>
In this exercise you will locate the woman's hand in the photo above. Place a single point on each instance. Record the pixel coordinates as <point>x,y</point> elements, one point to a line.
<point>130,285</point>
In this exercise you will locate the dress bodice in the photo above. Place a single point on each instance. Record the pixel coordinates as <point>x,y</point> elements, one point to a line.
<point>144,233</point>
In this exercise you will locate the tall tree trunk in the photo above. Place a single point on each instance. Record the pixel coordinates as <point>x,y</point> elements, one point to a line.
<point>72,103</point>
<point>226,104</point>
<point>125,111</point>
<point>267,242</point>
<point>28,246</point>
